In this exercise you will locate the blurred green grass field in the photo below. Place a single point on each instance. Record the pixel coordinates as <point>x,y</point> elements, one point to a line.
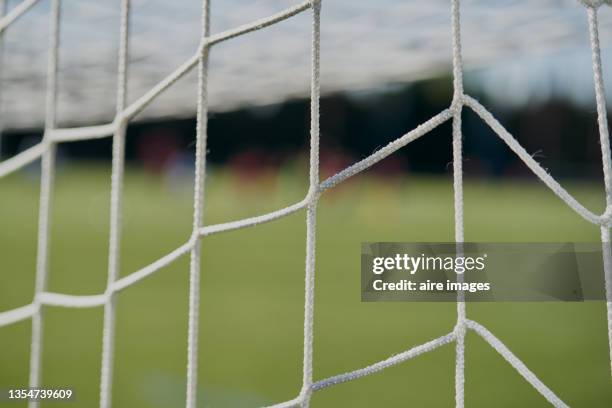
<point>252,293</point>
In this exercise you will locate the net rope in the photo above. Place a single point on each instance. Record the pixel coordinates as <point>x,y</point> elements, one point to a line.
<point>125,112</point>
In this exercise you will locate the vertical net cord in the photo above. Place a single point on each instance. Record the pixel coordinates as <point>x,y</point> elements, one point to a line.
<point>311,209</point>
<point>46,186</point>
<point>198,205</point>
<point>604,139</point>
<point>457,107</point>
<point>114,245</point>
<point>2,13</point>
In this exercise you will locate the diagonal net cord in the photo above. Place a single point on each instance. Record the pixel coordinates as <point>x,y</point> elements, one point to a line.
<point>53,135</point>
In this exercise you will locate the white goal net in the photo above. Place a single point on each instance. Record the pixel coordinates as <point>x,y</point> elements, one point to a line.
<point>54,135</point>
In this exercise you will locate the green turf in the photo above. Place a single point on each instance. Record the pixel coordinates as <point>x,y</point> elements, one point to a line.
<point>252,293</point>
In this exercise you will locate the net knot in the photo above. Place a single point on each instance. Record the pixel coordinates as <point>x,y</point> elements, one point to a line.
<point>304,395</point>
<point>204,44</point>
<point>460,328</point>
<point>314,192</point>
<point>606,217</point>
<point>195,236</point>
<point>457,103</point>
<point>120,120</point>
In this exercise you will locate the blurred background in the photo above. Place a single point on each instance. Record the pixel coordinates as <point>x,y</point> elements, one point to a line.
<point>385,68</point>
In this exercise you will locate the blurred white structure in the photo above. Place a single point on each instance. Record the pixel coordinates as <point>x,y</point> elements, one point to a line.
<point>533,48</point>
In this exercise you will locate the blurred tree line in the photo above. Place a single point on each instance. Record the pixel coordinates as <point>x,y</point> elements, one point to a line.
<point>561,135</point>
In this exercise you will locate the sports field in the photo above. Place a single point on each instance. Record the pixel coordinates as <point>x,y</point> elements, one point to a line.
<point>252,293</point>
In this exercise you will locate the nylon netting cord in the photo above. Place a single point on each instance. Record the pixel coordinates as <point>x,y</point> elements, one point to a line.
<point>46,187</point>
<point>125,112</point>
<point>114,246</point>
<point>2,13</point>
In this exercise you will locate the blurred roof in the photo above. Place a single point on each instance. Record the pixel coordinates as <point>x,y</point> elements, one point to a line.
<point>512,44</point>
